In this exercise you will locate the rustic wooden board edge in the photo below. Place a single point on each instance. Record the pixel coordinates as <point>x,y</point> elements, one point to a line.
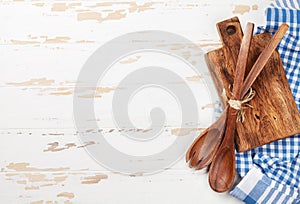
<point>223,78</point>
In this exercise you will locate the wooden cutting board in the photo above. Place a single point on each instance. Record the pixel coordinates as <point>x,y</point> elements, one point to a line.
<point>274,114</point>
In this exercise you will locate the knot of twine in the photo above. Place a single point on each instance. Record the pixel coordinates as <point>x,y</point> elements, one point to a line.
<point>239,105</point>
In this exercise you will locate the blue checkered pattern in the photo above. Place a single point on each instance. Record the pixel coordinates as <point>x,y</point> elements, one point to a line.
<point>289,49</point>
<point>256,187</point>
<point>284,171</point>
<point>271,173</point>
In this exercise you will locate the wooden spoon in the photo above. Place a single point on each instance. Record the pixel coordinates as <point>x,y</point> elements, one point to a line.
<point>204,148</point>
<point>222,170</point>
<point>226,150</point>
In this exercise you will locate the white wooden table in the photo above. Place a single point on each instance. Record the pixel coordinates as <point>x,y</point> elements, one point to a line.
<point>44,45</point>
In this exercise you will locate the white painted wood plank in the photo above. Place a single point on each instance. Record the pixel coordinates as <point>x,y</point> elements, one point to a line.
<point>92,21</point>
<point>43,46</point>
<point>44,149</point>
<point>54,94</point>
<point>94,187</point>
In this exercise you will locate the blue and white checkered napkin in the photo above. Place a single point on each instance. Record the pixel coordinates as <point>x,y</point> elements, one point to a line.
<point>270,180</point>
<point>271,172</point>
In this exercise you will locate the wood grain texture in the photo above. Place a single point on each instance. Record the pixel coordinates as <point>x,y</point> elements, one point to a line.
<point>43,46</point>
<point>274,114</point>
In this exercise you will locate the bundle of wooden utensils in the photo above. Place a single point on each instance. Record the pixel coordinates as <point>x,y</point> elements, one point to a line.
<point>256,98</point>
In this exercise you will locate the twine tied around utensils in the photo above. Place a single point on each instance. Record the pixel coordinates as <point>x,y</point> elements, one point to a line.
<point>239,105</point>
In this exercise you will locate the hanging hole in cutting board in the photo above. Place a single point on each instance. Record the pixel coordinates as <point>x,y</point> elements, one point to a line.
<point>231,30</point>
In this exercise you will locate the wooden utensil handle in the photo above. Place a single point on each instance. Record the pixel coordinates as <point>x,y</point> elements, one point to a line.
<point>242,62</point>
<point>264,57</point>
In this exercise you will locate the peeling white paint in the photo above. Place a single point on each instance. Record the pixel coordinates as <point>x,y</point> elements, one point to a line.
<point>44,45</point>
